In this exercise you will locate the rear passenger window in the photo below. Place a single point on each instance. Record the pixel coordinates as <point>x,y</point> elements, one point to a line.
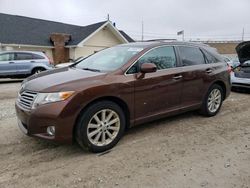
<point>191,56</point>
<point>23,56</point>
<point>209,58</point>
<point>162,57</point>
<point>36,56</point>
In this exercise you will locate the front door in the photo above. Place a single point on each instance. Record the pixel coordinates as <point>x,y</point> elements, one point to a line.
<point>159,92</point>
<point>7,64</point>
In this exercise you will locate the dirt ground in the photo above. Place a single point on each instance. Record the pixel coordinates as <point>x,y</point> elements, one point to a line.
<point>187,150</point>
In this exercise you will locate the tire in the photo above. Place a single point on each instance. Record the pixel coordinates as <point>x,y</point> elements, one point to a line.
<point>211,105</point>
<point>37,70</point>
<point>91,126</point>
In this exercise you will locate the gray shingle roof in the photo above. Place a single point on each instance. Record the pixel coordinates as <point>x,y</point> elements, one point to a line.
<point>31,31</point>
<point>125,35</point>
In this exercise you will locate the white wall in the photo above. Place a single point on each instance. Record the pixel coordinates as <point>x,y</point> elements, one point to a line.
<point>101,40</point>
<point>72,53</point>
<point>104,38</point>
<point>85,51</point>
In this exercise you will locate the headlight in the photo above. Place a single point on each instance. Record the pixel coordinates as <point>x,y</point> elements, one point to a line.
<point>44,98</point>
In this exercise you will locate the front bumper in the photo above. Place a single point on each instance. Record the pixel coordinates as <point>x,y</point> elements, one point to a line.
<point>35,122</point>
<point>22,126</point>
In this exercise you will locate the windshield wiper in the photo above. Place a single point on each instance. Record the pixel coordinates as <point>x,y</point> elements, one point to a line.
<point>90,69</point>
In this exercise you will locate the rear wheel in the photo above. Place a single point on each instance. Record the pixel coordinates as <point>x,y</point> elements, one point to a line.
<point>213,101</point>
<point>37,70</point>
<point>100,126</point>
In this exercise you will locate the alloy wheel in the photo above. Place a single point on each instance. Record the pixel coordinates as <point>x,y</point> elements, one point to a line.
<point>214,100</point>
<point>38,71</point>
<point>103,127</point>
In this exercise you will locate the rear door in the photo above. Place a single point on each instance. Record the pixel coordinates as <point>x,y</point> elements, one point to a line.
<point>24,62</point>
<point>158,92</point>
<point>197,75</point>
<point>7,64</point>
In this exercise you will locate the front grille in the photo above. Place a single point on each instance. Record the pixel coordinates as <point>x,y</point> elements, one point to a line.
<point>26,99</point>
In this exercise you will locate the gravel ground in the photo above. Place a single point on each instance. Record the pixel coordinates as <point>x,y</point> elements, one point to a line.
<point>187,150</point>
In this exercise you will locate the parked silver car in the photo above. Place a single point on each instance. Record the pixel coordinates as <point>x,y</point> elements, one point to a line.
<point>16,64</point>
<point>240,76</point>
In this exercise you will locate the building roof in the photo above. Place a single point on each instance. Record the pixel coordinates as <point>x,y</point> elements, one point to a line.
<point>31,31</point>
<point>129,39</point>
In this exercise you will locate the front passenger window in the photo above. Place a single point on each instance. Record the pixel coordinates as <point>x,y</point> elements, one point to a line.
<point>6,57</point>
<point>133,69</point>
<point>162,57</point>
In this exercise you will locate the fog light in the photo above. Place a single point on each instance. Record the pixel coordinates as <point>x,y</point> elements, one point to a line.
<point>51,130</point>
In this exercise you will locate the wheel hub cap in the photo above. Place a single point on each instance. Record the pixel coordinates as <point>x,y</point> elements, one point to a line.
<point>103,127</point>
<point>214,100</point>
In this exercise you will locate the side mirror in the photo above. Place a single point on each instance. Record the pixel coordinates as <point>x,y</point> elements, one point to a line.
<point>148,68</point>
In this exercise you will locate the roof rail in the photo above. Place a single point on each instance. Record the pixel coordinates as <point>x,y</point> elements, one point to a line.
<point>160,40</point>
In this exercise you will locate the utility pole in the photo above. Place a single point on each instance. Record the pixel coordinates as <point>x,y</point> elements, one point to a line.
<point>108,17</point>
<point>142,30</point>
<point>243,33</point>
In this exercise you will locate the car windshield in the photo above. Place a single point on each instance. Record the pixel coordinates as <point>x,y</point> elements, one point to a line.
<point>235,60</point>
<point>109,59</point>
<point>77,59</point>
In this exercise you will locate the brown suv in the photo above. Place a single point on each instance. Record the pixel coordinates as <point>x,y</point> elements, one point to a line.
<point>94,101</point>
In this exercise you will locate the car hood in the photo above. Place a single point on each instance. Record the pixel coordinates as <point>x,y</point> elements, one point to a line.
<point>243,51</point>
<point>64,64</point>
<point>59,79</point>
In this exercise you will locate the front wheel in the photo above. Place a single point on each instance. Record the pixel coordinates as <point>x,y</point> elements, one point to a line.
<point>100,126</point>
<point>213,101</point>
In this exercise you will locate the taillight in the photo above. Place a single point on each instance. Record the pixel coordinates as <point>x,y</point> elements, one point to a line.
<point>50,60</point>
<point>229,68</point>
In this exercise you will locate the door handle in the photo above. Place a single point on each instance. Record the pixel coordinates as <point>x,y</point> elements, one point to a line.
<point>209,71</point>
<point>11,62</point>
<point>177,77</point>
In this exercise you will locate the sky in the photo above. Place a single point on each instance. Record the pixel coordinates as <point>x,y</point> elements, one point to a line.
<point>200,19</point>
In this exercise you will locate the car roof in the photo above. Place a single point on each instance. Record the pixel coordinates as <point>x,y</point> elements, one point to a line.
<point>158,43</point>
<point>153,43</point>
<point>16,51</point>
